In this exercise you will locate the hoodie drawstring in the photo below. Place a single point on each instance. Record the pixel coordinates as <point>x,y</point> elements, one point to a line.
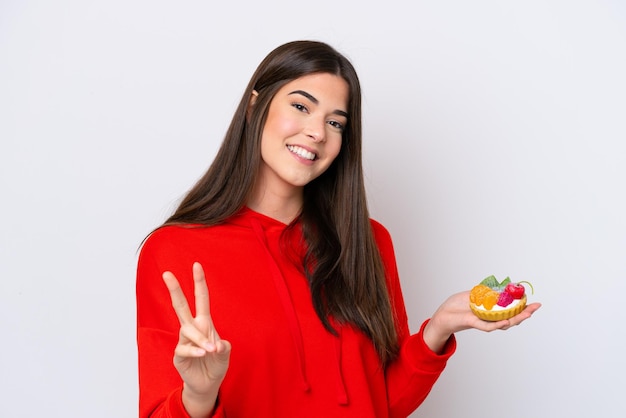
<point>342,394</point>
<point>285,298</point>
<point>294,324</point>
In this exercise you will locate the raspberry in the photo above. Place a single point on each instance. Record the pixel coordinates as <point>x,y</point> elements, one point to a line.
<point>505,299</point>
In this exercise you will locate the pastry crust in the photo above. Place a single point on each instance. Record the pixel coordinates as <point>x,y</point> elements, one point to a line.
<point>499,315</point>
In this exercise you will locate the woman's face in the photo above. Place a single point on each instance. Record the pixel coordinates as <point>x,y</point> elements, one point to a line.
<point>303,131</point>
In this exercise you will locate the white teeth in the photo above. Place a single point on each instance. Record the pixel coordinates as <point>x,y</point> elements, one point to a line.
<point>301,152</point>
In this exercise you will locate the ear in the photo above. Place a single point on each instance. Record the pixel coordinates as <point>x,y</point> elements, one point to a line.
<point>253,97</point>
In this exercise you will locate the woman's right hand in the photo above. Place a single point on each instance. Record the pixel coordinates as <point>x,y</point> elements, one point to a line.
<point>201,357</point>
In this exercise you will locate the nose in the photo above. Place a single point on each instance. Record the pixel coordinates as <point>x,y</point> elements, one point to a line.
<point>316,130</point>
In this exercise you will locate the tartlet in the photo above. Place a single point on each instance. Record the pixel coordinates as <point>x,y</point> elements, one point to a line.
<point>494,301</point>
<point>498,315</point>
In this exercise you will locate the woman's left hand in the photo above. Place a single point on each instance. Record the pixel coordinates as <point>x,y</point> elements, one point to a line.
<point>455,315</point>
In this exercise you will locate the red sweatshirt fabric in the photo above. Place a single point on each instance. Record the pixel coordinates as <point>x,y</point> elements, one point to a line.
<point>284,363</point>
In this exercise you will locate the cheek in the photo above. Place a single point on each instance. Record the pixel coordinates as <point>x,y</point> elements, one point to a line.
<point>335,148</point>
<point>281,125</point>
<point>288,126</point>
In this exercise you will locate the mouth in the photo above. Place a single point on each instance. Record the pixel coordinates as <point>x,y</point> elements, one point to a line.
<point>301,152</point>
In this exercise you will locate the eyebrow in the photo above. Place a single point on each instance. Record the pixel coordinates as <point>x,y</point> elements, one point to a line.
<point>314,100</point>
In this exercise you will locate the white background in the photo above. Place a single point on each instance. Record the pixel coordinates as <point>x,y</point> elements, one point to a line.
<point>495,143</point>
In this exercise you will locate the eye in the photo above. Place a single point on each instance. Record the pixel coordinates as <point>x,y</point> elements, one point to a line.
<point>337,125</point>
<point>300,107</point>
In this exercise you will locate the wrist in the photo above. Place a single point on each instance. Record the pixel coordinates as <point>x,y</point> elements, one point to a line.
<point>198,405</point>
<point>435,336</point>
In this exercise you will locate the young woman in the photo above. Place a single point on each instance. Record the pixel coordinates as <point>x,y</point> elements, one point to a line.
<point>304,287</point>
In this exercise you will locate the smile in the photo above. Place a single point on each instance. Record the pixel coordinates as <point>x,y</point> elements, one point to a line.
<point>301,152</point>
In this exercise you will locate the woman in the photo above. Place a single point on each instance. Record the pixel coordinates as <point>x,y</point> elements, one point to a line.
<point>304,286</point>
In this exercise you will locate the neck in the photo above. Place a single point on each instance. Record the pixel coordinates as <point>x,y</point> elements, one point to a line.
<point>282,207</point>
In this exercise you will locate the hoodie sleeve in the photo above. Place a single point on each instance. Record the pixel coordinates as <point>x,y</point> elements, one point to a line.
<point>160,386</point>
<point>412,375</point>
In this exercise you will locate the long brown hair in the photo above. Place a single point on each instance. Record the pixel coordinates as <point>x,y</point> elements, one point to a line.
<point>342,263</point>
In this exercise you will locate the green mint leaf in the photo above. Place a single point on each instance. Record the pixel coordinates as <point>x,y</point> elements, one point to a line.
<point>490,281</point>
<point>494,284</point>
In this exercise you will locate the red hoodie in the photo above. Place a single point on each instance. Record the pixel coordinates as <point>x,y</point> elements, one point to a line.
<point>284,363</point>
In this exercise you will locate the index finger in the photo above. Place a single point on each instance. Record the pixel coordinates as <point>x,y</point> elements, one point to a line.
<point>200,290</point>
<point>179,301</point>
